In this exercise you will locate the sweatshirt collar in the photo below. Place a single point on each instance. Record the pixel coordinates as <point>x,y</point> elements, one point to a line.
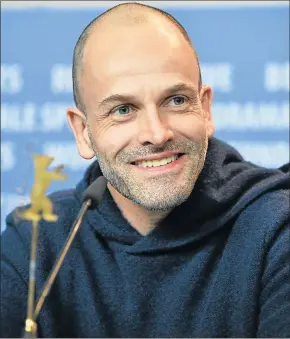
<point>225,186</point>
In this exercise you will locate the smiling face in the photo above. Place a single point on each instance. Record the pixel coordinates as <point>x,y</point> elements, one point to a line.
<point>140,87</point>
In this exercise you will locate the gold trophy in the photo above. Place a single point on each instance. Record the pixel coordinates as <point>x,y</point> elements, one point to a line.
<point>41,207</point>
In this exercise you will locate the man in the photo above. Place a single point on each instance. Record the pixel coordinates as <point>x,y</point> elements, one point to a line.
<point>189,240</point>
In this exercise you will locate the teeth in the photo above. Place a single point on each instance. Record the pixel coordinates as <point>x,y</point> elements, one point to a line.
<point>156,163</point>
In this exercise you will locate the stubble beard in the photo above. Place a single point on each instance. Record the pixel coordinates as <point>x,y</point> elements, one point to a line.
<point>159,193</point>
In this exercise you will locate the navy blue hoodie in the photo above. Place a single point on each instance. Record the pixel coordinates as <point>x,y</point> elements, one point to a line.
<point>217,266</point>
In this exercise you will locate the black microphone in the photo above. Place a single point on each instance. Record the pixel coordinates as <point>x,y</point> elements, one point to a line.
<point>95,191</point>
<point>91,198</point>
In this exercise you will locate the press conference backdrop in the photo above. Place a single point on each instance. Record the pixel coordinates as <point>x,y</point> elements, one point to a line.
<point>244,55</point>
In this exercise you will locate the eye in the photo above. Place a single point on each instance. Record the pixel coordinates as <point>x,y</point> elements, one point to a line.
<point>177,100</point>
<point>122,110</point>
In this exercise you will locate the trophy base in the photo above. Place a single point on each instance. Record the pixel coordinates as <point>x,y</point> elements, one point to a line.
<point>30,330</point>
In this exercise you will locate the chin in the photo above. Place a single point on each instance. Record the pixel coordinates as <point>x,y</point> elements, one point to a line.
<point>154,202</point>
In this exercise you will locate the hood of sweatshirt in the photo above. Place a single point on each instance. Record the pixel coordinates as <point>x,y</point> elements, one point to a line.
<point>226,185</point>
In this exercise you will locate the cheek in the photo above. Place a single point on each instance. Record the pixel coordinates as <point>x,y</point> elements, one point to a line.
<point>191,126</point>
<point>113,139</point>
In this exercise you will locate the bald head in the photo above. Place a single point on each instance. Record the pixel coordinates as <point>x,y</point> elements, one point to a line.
<point>123,15</point>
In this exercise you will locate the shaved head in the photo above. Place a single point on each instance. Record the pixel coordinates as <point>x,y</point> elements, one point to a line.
<point>138,92</point>
<point>123,15</point>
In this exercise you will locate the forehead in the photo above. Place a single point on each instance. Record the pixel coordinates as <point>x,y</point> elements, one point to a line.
<point>116,58</point>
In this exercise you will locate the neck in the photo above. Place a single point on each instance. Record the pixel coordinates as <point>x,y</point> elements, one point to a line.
<point>143,220</point>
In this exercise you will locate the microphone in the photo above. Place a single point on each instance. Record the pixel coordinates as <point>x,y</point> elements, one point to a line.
<point>91,198</point>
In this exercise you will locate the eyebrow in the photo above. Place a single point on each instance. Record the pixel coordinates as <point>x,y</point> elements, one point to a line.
<point>117,98</point>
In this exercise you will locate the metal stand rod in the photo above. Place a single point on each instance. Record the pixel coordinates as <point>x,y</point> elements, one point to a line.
<point>59,261</point>
<point>30,325</point>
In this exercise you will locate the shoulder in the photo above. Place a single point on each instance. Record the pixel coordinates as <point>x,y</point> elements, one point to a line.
<point>272,205</point>
<point>264,218</point>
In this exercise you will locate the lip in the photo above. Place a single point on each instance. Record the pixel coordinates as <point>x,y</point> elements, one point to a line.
<point>158,156</point>
<point>173,166</point>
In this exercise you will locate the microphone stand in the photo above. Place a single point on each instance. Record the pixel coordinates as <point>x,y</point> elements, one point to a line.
<point>30,330</point>
<point>93,194</point>
<point>60,259</point>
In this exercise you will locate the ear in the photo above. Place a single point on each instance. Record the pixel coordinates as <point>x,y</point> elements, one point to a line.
<point>77,122</point>
<point>206,101</point>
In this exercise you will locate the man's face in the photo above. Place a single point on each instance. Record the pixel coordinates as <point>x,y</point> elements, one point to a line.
<point>142,99</point>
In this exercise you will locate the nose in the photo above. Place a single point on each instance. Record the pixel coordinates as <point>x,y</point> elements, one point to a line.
<point>153,130</point>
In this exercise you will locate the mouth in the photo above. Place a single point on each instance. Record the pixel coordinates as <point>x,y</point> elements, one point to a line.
<point>163,163</point>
